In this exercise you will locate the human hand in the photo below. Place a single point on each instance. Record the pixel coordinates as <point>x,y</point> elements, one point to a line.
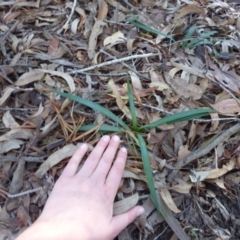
<point>81,203</point>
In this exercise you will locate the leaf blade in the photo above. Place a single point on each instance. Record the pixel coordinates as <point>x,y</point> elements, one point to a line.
<point>94,106</point>
<point>178,117</point>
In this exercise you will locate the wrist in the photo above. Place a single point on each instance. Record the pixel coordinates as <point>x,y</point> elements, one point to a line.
<point>48,230</point>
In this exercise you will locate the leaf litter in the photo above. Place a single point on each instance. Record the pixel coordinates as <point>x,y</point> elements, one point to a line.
<point>178,55</point>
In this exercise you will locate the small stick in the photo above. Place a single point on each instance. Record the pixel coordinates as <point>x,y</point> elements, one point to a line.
<point>26,159</point>
<point>69,18</point>
<point>113,62</point>
<point>201,152</point>
<point>21,193</point>
<point>131,69</point>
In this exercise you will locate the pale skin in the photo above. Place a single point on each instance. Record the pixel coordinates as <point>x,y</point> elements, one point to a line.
<point>81,204</point>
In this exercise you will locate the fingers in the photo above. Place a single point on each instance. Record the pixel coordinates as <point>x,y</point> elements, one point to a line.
<point>121,221</point>
<point>106,160</point>
<point>72,166</point>
<point>115,174</point>
<point>94,158</point>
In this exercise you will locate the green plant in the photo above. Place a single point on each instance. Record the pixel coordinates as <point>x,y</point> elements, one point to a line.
<point>136,133</point>
<point>134,21</point>
<point>199,40</point>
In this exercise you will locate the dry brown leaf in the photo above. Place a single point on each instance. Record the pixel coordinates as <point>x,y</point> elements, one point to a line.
<point>9,145</point>
<point>39,111</point>
<point>198,176</point>
<point>53,46</point>
<point>183,152</point>
<point>6,93</point>
<point>188,9</point>
<point>136,83</point>
<point>74,25</point>
<point>9,121</point>
<point>96,31</point>
<point>159,85</point>
<point>215,173</point>
<point>17,133</point>
<point>27,4</point>
<point>65,76</point>
<point>189,69</point>
<point>218,182</point>
<point>29,77</point>
<point>116,4</point>
<point>103,10</point>
<point>124,205</point>
<point>56,157</point>
<point>121,104</point>
<point>185,90</point>
<point>228,79</point>
<point>215,123</point>
<point>229,106</point>
<point>167,198</point>
<point>182,188</point>
<point>115,38</point>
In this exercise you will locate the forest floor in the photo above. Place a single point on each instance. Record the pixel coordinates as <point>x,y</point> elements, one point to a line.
<point>178,56</point>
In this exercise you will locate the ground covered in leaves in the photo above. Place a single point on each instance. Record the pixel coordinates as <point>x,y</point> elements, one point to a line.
<point>178,54</point>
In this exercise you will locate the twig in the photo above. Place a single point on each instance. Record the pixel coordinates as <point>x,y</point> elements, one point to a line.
<point>21,193</point>
<point>155,108</point>
<point>16,109</point>
<point>114,61</point>
<point>159,160</point>
<point>106,74</point>
<point>201,152</point>
<point>217,119</point>
<point>65,26</point>
<point>131,69</point>
<point>26,159</point>
<point>9,31</point>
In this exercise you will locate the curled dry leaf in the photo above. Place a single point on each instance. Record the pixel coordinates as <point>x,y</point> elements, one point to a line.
<point>9,121</point>
<point>115,38</point>
<point>39,111</point>
<point>136,83</point>
<point>167,198</point>
<point>198,176</point>
<point>125,204</point>
<point>188,9</point>
<point>96,31</point>
<point>9,145</point>
<point>182,188</point>
<point>103,10</point>
<point>215,123</point>
<point>65,76</point>
<point>117,5</point>
<point>229,106</point>
<point>189,69</point>
<point>74,25</point>
<point>56,157</point>
<point>121,104</point>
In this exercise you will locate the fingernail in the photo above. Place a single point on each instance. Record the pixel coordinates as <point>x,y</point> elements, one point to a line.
<point>124,149</point>
<point>116,138</point>
<point>105,138</point>
<point>140,211</point>
<point>84,146</point>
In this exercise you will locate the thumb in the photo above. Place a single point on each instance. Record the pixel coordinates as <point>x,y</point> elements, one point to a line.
<point>121,221</point>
